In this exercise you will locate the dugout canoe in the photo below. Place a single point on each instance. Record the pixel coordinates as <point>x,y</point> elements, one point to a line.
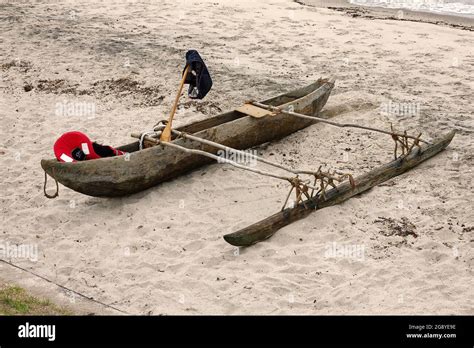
<point>142,169</point>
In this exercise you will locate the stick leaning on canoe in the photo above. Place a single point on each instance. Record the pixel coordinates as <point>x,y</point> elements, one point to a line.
<point>266,228</point>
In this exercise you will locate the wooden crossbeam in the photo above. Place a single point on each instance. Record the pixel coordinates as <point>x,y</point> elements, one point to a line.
<point>254,111</point>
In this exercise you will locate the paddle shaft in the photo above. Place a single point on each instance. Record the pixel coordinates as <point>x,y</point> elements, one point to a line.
<point>166,135</point>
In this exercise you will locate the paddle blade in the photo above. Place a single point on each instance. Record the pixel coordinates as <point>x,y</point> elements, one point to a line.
<point>166,134</point>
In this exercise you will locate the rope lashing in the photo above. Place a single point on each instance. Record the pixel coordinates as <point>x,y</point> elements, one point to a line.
<point>301,189</point>
<point>160,124</point>
<point>322,180</point>
<point>403,141</point>
<point>142,138</point>
<point>56,194</point>
<point>155,132</point>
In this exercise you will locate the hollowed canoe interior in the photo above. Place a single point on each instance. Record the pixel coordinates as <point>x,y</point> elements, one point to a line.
<point>234,115</point>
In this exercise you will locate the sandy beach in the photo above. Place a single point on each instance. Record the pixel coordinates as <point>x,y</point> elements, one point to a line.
<point>402,14</point>
<point>404,247</point>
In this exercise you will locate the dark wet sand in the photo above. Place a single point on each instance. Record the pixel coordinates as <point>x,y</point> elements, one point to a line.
<point>392,14</point>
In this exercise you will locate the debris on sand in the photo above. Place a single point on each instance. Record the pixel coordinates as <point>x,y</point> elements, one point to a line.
<point>393,227</point>
<point>120,88</point>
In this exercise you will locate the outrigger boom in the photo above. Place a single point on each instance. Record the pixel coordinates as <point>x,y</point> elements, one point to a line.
<point>264,229</point>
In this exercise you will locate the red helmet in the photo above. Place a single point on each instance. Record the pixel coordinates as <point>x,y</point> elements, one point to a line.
<point>76,146</point>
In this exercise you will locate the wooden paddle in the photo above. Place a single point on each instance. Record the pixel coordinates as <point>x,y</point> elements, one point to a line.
<point>166,135</point>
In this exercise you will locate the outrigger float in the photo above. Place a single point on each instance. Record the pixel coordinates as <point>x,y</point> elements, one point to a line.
<point>152,160</point>
<point>337,194</point>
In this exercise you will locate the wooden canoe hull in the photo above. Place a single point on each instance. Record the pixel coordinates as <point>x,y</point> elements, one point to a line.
<point>140,170</point>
